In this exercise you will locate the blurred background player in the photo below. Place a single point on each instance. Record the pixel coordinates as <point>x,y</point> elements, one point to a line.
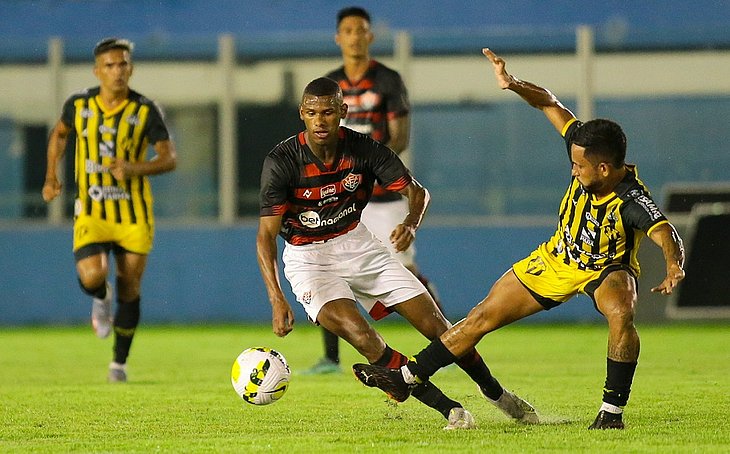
<point>603,216</point>
<point>378,106</point>
<point>113,127</point>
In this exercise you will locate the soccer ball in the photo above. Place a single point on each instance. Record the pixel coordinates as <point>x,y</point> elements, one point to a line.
<point>260,375</point>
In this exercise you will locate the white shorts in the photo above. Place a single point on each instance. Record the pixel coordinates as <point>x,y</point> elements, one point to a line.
<point>381,218</point>
<point>355,266</point>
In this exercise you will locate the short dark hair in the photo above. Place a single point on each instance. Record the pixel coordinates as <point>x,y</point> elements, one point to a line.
<point>604,140</point>
<point>107,44</point>
<point>352,11</point>
<point>322,86</point>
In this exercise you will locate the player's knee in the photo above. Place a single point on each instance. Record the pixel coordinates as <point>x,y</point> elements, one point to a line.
<point>93,287</point>
<point>91,278</point>
<point>619,310</point>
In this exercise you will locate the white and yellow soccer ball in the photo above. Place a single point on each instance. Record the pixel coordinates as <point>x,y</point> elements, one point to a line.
<point>260,375</point>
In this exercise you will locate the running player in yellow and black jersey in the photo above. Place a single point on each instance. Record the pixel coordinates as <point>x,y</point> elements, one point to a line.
<point>603,216</point>
<point>114,127</point>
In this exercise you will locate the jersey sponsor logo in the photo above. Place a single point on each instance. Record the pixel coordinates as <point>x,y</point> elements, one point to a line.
<point>133,120</point>
<point>327,191</point>
<point>307,193</point>
<point>106,148</point>
<point>312,220</point>
<point>352,181</point>
<point>328,200</point>
<point>590,218</point>
<point>647,204</point>
<point>104,129</point>
<point>587,236</point>
<point>87,113</point>
<point>93,167</point>
<point>364,102</point>
<point>99,193</point>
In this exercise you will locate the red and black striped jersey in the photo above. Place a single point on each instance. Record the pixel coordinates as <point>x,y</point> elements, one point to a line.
<point>124,132</point>
<point>594,233</point>
<point>371,101</point>
<point>318,202</point>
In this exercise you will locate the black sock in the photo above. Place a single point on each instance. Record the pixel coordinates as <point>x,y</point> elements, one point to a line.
<point>126,320</point>
<point>426,392</point>
<point>331,346</point>
<point>430,359</point>
<point>99,292</point>
<point>618,382</point>
<point>473,364</point>
<point>431,395</point>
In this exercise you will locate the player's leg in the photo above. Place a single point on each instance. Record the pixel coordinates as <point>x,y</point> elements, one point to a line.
<point>92,268</point>
<point>616,298</point>
<point>344,319</point>
<point>507,301</point>
<point>130,268</point>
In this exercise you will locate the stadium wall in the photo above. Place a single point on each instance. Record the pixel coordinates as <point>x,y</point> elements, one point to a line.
<point>209,274</point>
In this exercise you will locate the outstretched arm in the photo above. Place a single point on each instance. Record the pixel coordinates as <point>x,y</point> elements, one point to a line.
<point>667,238</point>
<point>536,96</point>
<point>282,316</point>
<point>418,200</point>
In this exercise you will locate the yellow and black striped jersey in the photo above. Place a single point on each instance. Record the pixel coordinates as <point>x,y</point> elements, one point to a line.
<point>594,233</point>
<point>124,132</point>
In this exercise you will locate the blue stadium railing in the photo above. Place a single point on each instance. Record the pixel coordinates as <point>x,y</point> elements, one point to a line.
<point>204,47</point>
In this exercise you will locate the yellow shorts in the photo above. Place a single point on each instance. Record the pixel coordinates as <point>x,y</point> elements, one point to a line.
<point>552,282</point>
<point>135,238</point>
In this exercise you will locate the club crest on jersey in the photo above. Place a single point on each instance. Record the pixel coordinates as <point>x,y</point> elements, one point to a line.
<point>369,100</point>
<point>352,181</point>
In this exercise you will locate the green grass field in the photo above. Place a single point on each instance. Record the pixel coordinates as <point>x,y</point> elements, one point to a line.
<point>54,398</point>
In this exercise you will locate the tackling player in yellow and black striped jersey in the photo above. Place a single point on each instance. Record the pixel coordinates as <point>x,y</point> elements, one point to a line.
<point>113,127</point>
<point>603,215</point>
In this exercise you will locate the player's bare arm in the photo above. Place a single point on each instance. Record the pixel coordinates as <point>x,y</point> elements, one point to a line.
<point>165,160</point>
<point>667,238</point>
<point>418,201</point>
<point>538,97</point>
<point>399,130</point>
<point>56,151</point>
<point>282,316</point>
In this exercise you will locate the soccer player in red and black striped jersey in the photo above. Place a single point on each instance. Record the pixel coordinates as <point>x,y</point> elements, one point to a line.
<point>114,126</point>
<point>314,187</point>
<point>377,106</point>
<point>602,218</point>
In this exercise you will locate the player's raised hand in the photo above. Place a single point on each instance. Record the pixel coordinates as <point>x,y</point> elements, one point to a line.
<point>503,77</point>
